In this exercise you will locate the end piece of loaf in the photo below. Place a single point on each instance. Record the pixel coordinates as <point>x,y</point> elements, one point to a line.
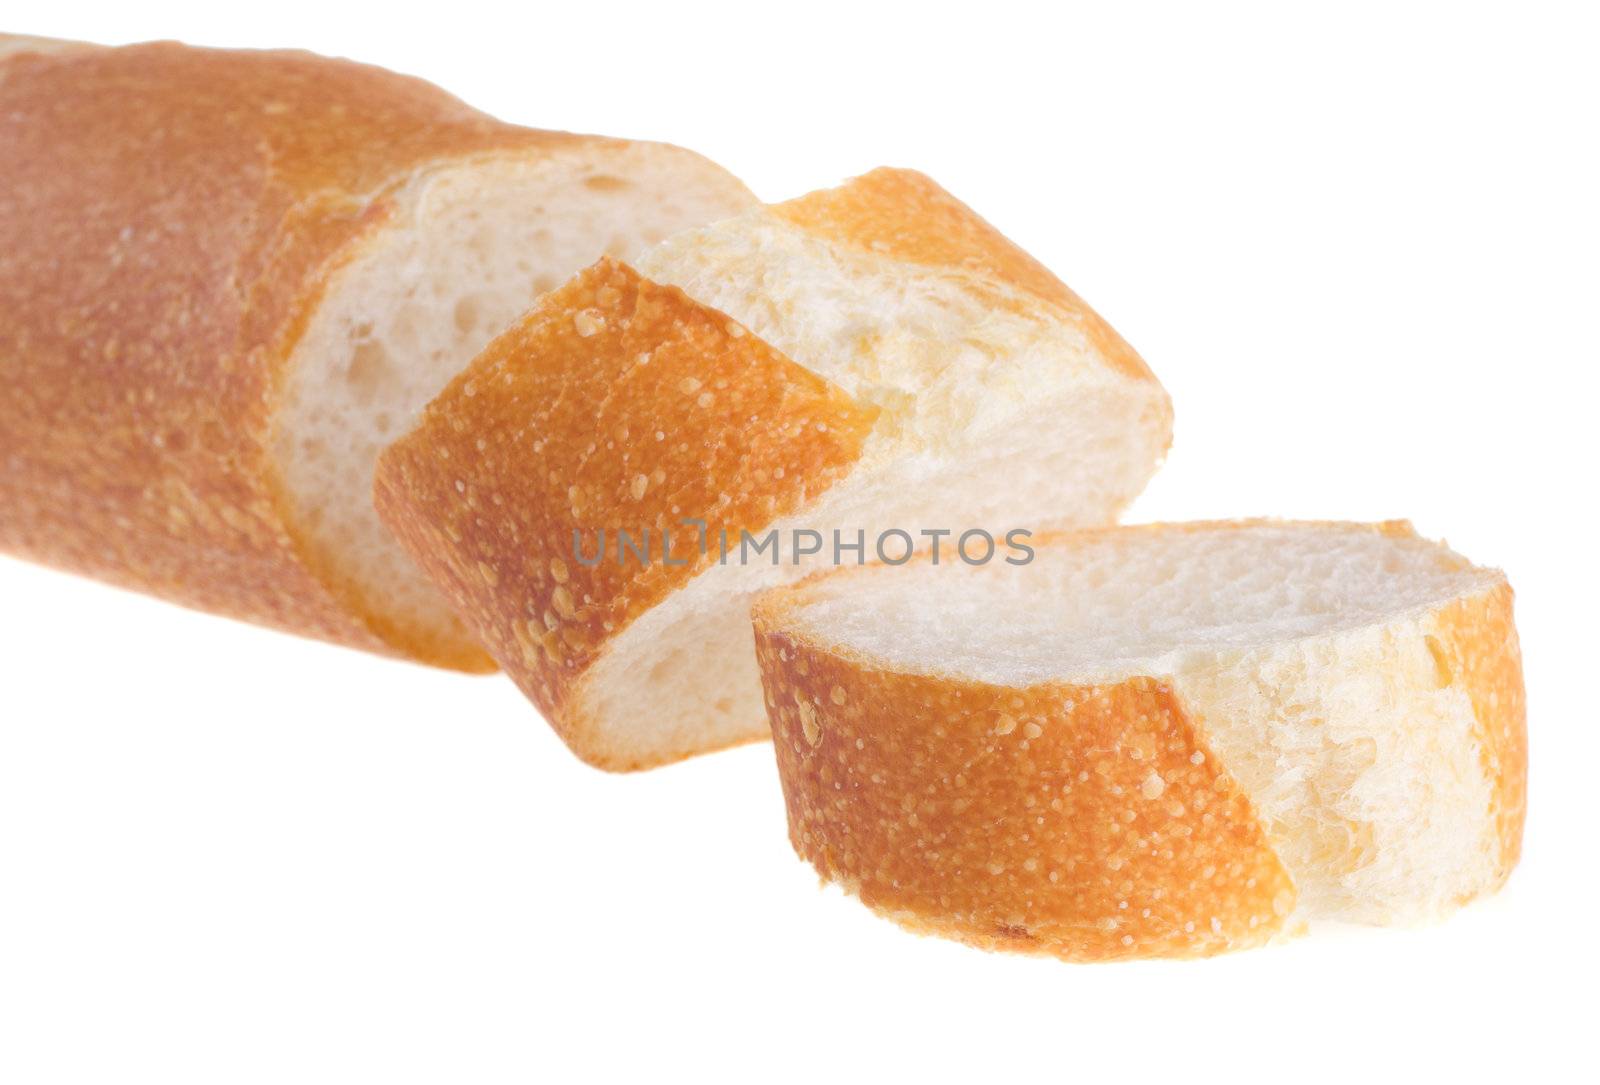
<point>868,358</point>
<point>231,277</point>
<point>1171,740</point>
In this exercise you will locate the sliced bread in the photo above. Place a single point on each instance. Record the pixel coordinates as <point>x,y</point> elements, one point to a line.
<point>1154,741</point>
<point>866,359</point>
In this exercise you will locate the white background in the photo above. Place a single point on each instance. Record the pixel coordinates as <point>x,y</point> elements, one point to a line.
<point>1361,250</point>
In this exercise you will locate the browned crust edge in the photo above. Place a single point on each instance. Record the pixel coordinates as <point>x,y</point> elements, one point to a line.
<point>1088,823</point>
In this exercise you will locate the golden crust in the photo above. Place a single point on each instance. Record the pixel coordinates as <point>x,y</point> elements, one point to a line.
<point>903,215</point>
<point>1086,822</point>
<point>614,405</point>
<point>172,216</point>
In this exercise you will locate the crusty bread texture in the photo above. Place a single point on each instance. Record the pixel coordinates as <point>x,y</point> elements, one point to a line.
<point>865,359</point>
<point>228,278</point>
<point>1168,740</point>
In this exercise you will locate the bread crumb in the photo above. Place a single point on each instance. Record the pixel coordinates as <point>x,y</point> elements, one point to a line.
<point>588,322</point>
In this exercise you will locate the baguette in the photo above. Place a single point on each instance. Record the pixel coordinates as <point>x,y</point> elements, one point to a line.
<point>1154,741</point>
<point>864,359</point>
<point>228,278</point>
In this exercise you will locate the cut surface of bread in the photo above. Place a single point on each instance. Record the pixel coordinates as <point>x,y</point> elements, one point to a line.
<point>1149,741</point>
<point>967,388</point>
<point>231,276</point>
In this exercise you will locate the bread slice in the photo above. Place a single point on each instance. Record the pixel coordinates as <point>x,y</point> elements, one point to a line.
<point>1154,741</point>
<point>865,359</point>
<point>230,278</point>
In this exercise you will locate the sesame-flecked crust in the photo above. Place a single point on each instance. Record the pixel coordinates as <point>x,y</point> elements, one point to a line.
<point>171,217</point>
<point>903,215</point>
<point>1091,823</point>
<point>615,404</point>
<point>1475,643</point>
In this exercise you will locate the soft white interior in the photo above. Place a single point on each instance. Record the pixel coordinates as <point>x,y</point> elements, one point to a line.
<point>1304,653</point>
<point>990,418</point>
<point>1135,602</point>
<point>471,247</point>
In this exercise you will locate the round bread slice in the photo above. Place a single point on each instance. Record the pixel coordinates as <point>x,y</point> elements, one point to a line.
<point>869,359</point>
<point>231,277</point>
<point>1170,740</point>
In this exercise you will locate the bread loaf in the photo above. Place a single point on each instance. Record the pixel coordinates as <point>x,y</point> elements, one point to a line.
<point>1154,741</point>
<point>228,278</point>
<point>864,360</point>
